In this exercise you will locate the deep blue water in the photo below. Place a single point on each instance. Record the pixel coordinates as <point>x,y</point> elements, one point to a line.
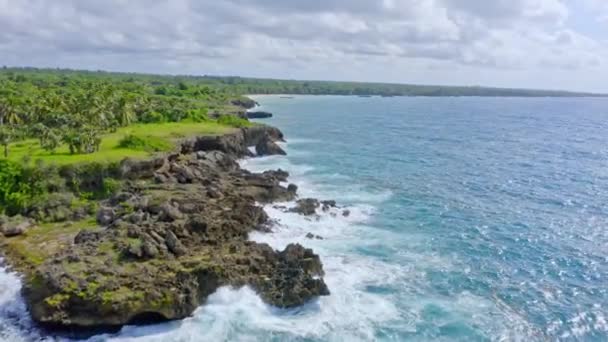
<point>497,219</point>
<point>472,219</point>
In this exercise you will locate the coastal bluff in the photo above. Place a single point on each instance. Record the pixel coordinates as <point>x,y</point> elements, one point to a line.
<point>175,232</point>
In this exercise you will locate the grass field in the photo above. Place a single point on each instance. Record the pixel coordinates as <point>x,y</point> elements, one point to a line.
<point>110,149</point>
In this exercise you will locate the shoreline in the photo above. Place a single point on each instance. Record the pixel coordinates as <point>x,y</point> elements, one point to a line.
<point>46,294</point>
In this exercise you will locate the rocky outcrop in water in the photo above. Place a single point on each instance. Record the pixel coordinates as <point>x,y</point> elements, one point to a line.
<point>267,147</point>
<point>309,206</point>
<point>259,115</point>
<point>174,234</point>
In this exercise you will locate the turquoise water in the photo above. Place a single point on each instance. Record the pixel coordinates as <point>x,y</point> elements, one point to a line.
<point>495,226</point>
<point>472,219</point>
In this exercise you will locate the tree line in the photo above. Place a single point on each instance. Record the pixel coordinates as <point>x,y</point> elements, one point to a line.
<point>76,109</point>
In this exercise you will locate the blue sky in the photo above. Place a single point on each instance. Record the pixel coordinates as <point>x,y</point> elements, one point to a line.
<point>554,44</point>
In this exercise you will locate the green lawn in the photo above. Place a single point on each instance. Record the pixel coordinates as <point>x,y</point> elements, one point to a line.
<point>109,150</point>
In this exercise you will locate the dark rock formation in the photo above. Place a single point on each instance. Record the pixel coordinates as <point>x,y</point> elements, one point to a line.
<point>254,134</point>
<point>306,206</point>
<point>105,216</point>
<point>235,144</point>
<point>10,227</point>
<point>267,147</point>
<point>309,206</point>
<point>176,232</point>
<point>326,205</point>
<point>259,115</point>
<point>313,236</point>
<point>244,102</point>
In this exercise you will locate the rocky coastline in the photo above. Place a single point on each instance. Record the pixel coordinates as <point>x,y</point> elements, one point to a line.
<point>175,232</point>
<point>258,115</point>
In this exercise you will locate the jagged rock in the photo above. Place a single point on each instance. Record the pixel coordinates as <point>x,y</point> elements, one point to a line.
<point>137,217</point>
<point>259,115</point>
<point>346,213</point>
<point>135,251</point>
<point>174,245</point>
<point>105,216</point>
<point>149,250</point>
<point>87,236</point>
<point>279,175</point>
<point>292,188</point>
<point>267,147</point>
<point>246,103</point>
<point>253,135</point>
<point>169,244</point>
<point>306,206</point>
<point>213,193</point>
<point>298,281</point>
<point>233,144</point>
<point>15,227</point>
<point>160,178</point>
<point>326,205</point>
<point>313,236</point>
<point>169,213</point>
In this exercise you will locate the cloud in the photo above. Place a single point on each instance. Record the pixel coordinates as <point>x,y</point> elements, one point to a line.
<point>266,35</point>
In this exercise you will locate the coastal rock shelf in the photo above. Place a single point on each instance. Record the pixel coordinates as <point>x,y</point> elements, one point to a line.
<point>258,115</point>
<point>175,233</point>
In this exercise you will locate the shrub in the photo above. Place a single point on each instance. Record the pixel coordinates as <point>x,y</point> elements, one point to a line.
<point>148,143</point>
<point>153,117</point>
<point>20,185</point>
<point>110,186</point>
<point>87,179</point>
<point>197,115</point>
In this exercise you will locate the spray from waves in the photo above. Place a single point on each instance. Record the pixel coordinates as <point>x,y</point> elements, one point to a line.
<point>316,183</point>
<point>360,308</point>
<point>349,313</point>
<point>360,279</point>
<point>239,314</point>
<point>15,323</point>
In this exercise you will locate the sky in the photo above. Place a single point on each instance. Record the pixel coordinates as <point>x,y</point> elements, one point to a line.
<point>549,44</point>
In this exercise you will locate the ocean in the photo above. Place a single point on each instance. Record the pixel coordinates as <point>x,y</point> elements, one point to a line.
<point>471,219</point>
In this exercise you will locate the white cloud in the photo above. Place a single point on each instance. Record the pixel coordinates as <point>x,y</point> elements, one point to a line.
<point>270,37</point>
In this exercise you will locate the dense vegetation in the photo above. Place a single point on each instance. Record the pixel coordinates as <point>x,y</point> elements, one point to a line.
<point>270,86</point>
<point>52,119</point>
<point>76,109</point>
<point>53,124</point>
<point>170,85</point>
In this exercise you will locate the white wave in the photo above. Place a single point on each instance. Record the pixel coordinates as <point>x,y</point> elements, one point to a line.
<point>302,141</point>
<point>273,163</point>
<point>15,323</point>
<point>240,315</point>
<point>350,313</point>
<point>317,185</point>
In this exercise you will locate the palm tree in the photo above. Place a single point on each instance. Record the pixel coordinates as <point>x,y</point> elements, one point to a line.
<point>8,111</point>
<point>125,114</point>
<point>6,137</point>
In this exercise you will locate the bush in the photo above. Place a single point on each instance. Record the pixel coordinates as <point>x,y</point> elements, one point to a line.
<point>148,144</point>
<point>197,115</point>
<point>152,117</point>
<point>87,179</point>
<point>110,186</point>
<point>20,185</point>
<point>233,121</point>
